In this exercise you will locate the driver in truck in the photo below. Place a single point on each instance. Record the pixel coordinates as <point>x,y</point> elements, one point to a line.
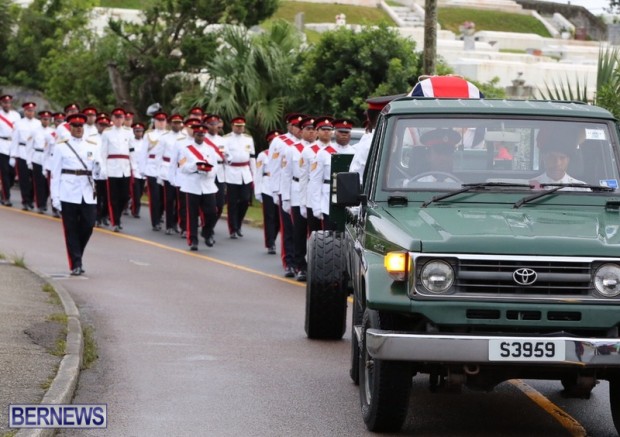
<point>440,145</point>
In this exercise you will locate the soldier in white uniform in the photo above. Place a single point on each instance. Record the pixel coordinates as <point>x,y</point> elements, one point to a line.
<point>115,145</point>
<point>241,167</point>
<point>324,156</point>
<point>199,164</point>
<point>262,193</point>
<point>169,141</point>
<point>176,175</point>
<point>23,142</point>
<point>36,161</point>
<point>291,191</point>
<point>152,156</point>
<point>138,144</point>
<point>276,149</point>
<point>101,182</point>
<point>73,190</point>
<point>315,178</point>
<point>63,131</point>
<point>8,118</point>
<point>213,138</point>
<point>90,128</point>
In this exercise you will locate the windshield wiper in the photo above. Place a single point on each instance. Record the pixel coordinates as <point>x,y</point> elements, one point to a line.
<point>556,188</point>
<point>470,187</point>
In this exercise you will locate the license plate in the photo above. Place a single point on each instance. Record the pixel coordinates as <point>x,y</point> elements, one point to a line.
<point>526,350</point>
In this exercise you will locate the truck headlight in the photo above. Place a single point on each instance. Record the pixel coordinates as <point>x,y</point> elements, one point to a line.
<point>437,276</point>
<point>397,265</point>
<point>607,280</point>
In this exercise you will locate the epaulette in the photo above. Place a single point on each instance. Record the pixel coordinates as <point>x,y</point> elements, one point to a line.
<point>246,135</point>
<point>126,128</point>
<point>228,134</point>
<point>107,129</point>
<point>63,141</point>
<point>91,142</point>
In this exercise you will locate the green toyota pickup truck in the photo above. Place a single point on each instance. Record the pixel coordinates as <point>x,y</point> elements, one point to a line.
<point>482,246</point>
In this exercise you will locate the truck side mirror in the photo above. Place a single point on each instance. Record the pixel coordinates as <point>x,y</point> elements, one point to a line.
<point>348,189</point>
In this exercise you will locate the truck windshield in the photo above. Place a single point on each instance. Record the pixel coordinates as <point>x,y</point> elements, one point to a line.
<point>443,154</point>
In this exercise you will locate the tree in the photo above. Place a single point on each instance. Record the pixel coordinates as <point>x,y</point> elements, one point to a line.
<point>7,22</point>
<point>345,67</point>
<point>252,75</point>
<point>173,37</point>
<point>41,27</point>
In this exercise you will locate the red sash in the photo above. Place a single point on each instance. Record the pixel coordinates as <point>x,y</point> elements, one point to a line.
<point>299,147</point>
<point>315,149</point>
<point>287,140</point>
<point>330,150</point>
<point>212,144</point>
<point>2,118</point>
<point>201,158</point>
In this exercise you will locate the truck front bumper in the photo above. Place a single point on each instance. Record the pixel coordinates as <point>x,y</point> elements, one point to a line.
<point>441,348</point>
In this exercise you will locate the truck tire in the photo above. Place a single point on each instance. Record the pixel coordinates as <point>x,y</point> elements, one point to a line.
<point>384,386</point>
<point>326,287</point>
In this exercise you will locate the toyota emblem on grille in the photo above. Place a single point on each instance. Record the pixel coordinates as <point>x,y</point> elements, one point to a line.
<point>524,276</point>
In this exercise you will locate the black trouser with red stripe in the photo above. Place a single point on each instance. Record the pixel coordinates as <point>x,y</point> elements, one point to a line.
<point>40,186</point>
<point>25,181</point>
<point>118,195</point>
<point>182,204</point>
<point>155,204</point>
<point>238,203</point>
<point>5,177</point>
<point>102,199</point>
<point>136,196</point>
<point>205,206</point>
<point>271,220</point>
<point>286,237</point>
<point>170,204</point>
<point>300,237</point>
<point>220,196</point>
<point>78,221</point>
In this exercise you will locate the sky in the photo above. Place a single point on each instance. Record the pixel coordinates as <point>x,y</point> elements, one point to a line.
<point>595,6</point>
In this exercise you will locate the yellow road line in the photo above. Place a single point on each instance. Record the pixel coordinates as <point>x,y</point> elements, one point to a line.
<point>173,249</point>
<point>566,420</point>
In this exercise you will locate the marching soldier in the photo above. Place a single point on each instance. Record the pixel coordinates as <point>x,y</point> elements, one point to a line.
<point>138,144</point>
<point>343,137</point>
<point>36,160</point>
<point>214,139</point>
<point>169,140</point>
<point>152,157</point>
<point>101,183</point>
<point>90,128</point>
<point>72,189</point>
<point>291,191</point>
<point>199,163</point>
<point>276,149</point>
<point>176,175</point>
<point>8,118</point>
<point>129,116</point>
<point>23,140</point>
<point>196,113</point>
<point>262,192</point>
<point>63,131</point>
<point>241,163</point>
<point>115,145</point>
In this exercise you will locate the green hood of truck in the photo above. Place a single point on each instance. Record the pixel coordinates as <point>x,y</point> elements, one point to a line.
<point>591,231</point>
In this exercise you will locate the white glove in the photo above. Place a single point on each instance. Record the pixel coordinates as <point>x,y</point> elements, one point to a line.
<point>276,198</point>
<point>29,165</point>
<point>317,214</point>
<point>56,204</point>
<point>160,181</point>
<point>259,197</point>
<point>303,211</point>
<point>12,162</point>
<point>286,206</point>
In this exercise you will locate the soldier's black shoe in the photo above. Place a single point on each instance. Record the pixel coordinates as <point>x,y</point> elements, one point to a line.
<point>24,207</point>
<point>233,236</point>
<point>169,231</point>
<point>271,250</point>
<point>56,214</point>
<point>105,221</point>
<point>116,228</point>
<point>76,271</point>
<point>289,272</point>
<point>301,276</point>
<point>239,234</point>
<point>8,203</point>
<point>156,228</point>
<point>209,241</point>
<point>183,234</point>
<point>193,247</point>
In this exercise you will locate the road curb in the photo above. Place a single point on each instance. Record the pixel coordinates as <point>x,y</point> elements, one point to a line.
<point>63,386</point>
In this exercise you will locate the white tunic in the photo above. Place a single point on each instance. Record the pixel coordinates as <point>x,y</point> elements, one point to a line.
<point>115,145</point>
<point>198,182</point>
<point>23,137</point>
<point>240,158</point>
<point>276,149</point>
<point>7,127</point>
<point>70,187</point>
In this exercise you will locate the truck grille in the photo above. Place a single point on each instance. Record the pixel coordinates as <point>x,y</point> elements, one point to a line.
<point>503,277</point>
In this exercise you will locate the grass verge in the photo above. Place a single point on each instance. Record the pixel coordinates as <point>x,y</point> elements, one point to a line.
<point>90,347</point>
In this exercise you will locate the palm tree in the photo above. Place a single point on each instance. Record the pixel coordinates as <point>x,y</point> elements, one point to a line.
<point>252,75</point>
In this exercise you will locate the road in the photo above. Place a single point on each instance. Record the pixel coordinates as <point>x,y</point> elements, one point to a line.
<point>212,343</point>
